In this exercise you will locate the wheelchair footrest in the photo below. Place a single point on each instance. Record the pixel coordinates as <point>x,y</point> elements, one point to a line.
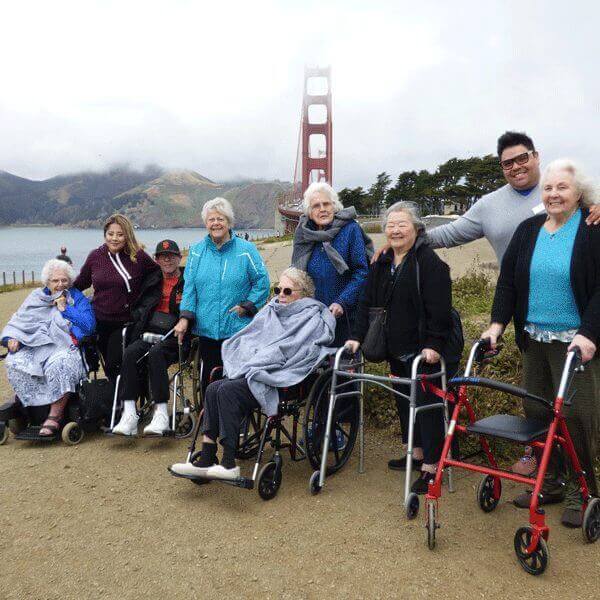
<point>509,427</point>
<point>32,434</point>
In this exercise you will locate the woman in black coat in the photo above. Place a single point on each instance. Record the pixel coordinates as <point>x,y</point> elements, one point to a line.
<point>418,322</point>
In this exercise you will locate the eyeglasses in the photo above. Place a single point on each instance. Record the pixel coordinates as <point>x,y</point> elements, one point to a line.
<point>520,159</point>
<point>167,256</point>
<point>286,291</point>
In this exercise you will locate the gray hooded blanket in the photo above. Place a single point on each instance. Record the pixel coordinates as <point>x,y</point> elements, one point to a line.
<point>279,348</point>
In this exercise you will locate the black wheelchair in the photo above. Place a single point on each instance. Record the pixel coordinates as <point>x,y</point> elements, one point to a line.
<point>82,413</point>
<point>299,427</point>
<point>182,417</point>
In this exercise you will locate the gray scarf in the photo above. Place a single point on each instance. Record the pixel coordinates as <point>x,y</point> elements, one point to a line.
<point>306,238</point>
<point>38,324</point>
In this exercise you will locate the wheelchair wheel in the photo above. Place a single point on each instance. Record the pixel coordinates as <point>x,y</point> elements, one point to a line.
<point>72,433</point>
<point>184,424</point>
<point>269,480</point>
<point>485,493</point>
<point>313,484</point>
<point>3,433</point>
<point>344,425</point>
<point>250,433</point>
<point>536,562</point>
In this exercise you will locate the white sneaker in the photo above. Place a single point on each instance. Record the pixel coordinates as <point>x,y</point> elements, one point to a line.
<point>220,472</point>
<point>187,469</point>
<point>158,425</point>
<point>127,425</point>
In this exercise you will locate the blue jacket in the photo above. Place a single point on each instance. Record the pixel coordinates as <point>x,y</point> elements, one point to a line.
<point>218,279</point>
<point>329,284</point>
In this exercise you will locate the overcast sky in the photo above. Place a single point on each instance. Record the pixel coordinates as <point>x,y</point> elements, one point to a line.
<point>217,86</point>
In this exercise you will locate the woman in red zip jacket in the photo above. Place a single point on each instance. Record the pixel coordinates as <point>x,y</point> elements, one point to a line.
<point>116,270</point>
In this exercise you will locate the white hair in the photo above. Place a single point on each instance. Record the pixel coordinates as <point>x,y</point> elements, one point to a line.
<point>411,209</point>
<point>585,186</point>
<point>302,279</point>
<point>323,188</point>
<point>55,264</point>
<point>220,205</point>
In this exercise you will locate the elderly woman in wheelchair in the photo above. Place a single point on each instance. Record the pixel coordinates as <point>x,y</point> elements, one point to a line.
<point>44,364</point>
<point>283,344</point>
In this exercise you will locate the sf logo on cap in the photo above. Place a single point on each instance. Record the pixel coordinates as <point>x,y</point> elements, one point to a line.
<point>165,245</point>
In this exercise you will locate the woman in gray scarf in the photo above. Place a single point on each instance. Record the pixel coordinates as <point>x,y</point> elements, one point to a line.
<point>332,248</point>
<point>284,342</point>
<point>44,365</point>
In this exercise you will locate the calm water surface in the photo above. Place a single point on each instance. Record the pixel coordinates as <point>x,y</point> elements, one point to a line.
<point>30,247</point>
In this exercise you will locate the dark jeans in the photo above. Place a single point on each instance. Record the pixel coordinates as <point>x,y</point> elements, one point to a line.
<point>210,353</point>
<point>429,426</point>
<point>156,365</point>
<point>227,403</point>
<point>110,346</point>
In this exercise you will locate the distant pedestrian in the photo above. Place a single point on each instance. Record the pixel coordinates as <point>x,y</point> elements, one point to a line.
<point>246,236</point>
<point>63,256</point>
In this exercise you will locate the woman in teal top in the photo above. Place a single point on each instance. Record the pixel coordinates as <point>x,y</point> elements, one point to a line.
<point>549,285</point>
<point>226,283</point>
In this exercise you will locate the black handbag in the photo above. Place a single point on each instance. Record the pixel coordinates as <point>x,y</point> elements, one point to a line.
<point>375,346</point>
<point>95,402</point>
<point>161,323</point>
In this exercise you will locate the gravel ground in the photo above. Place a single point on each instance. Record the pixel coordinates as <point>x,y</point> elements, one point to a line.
<point>105,520</point>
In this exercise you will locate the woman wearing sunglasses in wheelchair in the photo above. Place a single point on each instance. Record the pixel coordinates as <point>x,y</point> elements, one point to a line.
<point>285,341</point>
<point>44,365</point>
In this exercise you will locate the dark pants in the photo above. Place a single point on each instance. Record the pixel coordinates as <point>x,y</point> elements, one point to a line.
<point>210,353</point>
<point>542,367</point>
<point>110,346</point>
<point>429,426</point>
<point>227,403</point>
<point>156,365</point>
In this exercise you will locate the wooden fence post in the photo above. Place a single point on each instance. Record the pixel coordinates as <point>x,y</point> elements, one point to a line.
<point>23,274</point>
<point>3,277</point>
<point>32,277</point>
<point>14,278</point>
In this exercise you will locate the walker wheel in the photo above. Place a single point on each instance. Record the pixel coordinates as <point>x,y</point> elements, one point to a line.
<point>431,524</point>
<point>485,493</point>
<point>184,424</point>
<point>3,434</point>
<point>269,480</point>
<point>72,433</point>
<point>590,526</point>
<point>412,506</point>
<point>313,484</point>
<point>536,562</point>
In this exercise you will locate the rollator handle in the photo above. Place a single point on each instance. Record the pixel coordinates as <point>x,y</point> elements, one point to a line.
<point>577,364</point>
<point>485,351</point>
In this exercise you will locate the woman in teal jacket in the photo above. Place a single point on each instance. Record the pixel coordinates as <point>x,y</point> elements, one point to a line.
<point>226,283</point>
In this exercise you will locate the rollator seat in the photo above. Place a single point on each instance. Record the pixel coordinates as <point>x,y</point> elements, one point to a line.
<point>509,427</point>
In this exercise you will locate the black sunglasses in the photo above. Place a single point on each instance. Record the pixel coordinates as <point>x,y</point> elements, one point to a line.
<point>286,291</point>
<point>521,159</point>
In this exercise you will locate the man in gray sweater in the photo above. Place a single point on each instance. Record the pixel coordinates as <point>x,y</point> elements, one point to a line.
<point>497,215</point>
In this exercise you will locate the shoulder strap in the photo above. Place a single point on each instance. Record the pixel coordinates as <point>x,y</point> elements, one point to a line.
<point>395,278</point>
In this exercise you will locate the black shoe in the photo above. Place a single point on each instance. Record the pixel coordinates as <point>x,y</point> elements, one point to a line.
<point>572,517</point>
<point>399,464</point>
<point>524,500</point>
<point>421,485</point>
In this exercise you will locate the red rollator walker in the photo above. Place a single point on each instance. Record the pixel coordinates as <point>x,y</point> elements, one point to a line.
<point>530,541</point>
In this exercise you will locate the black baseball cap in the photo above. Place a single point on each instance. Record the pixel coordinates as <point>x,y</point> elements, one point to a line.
<point>167,247</point>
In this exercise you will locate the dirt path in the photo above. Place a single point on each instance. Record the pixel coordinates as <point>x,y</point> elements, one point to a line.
<point>106,520</point>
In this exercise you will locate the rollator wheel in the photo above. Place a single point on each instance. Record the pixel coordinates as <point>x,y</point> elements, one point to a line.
<point>344,427</point>
<point>184,424</point>
<point>72,433</point>
<point>485,493</point>
<point>536,562</point>
<point>590,526</point>
<point>269,480</point>
<point>412,506</point>
<point>3,434</point>
<point>431,525</point>
<point>313,484</point>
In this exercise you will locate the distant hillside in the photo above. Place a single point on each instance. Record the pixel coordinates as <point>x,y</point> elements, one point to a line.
<point>151,198</point>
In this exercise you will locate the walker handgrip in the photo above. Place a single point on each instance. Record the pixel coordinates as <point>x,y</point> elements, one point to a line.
<point>485,350</point>
<point>578,362</point>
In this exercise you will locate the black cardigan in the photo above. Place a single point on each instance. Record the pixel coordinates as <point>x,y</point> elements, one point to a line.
<point>403,315</point>
<point>511,300</point>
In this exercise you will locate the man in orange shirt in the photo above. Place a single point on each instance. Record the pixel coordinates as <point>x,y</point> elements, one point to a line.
<point>160,318</point>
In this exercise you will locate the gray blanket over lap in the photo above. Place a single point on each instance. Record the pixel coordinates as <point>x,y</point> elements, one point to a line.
<point>279,348</point>
<point>306,238</point>
<point>39,325</point>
